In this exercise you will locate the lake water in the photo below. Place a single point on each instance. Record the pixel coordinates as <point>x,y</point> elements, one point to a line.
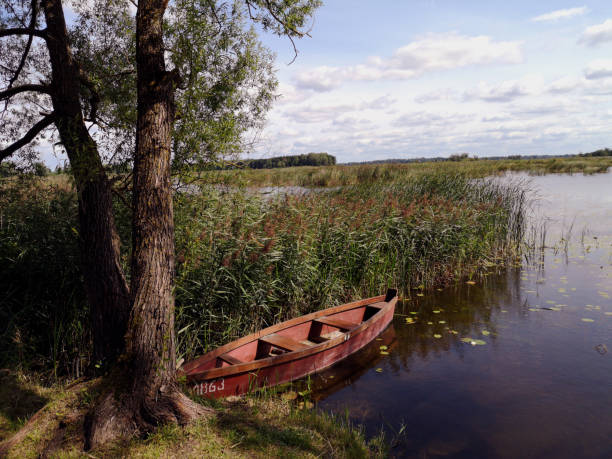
<point>518,365</point>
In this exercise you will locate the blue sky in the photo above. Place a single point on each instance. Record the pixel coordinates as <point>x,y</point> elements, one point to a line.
<point>401,79</point>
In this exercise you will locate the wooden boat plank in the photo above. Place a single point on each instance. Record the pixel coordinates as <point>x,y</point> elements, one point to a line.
<point>379,304</point>
<point>337,322</point>
<point>283,342</point>
<point>230,359</point>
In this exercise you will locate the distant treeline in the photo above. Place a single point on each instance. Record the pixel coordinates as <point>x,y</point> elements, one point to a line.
<point>466,157</point>
<point>602,152</point>
<point>310,159</point>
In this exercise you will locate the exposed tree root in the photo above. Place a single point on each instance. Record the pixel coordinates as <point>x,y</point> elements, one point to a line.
<point>118,416</point>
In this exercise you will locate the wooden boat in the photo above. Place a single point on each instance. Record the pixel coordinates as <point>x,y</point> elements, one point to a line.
<point>290,350</point>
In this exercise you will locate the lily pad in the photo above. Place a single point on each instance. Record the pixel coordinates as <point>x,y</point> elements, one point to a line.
<point>436,311</point>
<point>471,283</point>
<point>486,332</point>
<point>437,336</point>
<point>584,319</point>
<point>473,341</point>
<point>383,348</point>
<point>384,353</point>
<point>379,370</point>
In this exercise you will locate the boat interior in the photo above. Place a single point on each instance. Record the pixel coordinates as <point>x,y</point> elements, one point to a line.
<point>296,337</point>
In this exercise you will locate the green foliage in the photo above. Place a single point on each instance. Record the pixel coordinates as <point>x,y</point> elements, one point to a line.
<point>229,82</point>
<point>283,17</point>
<point>40,170</point>
<point>601,152</point>
<point>459,157</point>
<point>8,169</point>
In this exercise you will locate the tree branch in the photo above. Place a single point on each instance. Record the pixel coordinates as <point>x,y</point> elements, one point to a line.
<point>26,51</point>
<point>28,137</point>
<point>10,92</point>
<point>94,97</point>
<point>289,30</point>
<point>23,31</point>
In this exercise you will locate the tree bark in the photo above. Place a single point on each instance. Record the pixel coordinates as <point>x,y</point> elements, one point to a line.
<point>149,394</point>
<point>105,285</point>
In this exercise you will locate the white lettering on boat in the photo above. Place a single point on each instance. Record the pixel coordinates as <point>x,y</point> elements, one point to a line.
<point>210,387</point>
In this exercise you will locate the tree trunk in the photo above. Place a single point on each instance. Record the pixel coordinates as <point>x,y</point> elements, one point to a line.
<point>105,284</point>
<point>148,394</point>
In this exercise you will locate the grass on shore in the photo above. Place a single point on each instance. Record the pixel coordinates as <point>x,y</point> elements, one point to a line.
<point>256,426</point>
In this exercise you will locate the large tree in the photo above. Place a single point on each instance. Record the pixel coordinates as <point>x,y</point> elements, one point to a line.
<point>62,77</point>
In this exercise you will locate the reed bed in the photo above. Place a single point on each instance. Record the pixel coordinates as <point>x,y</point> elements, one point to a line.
<point>245,262</point>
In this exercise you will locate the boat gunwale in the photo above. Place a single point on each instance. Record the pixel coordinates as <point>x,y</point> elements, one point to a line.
<point>194,375</point>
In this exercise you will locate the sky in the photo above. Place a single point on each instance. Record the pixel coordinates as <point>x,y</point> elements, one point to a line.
<point>424,78</point>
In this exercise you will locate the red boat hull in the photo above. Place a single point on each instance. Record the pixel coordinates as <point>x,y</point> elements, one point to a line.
<point>213,383</point>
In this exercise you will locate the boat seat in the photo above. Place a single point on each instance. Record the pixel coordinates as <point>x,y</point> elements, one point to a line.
<point>229,359</point>
<point>336,322</point>
<point>283,342</point>
<point>379,305</point>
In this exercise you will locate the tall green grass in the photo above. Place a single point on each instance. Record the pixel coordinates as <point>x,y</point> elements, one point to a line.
<point>244,262</point>
<point>43,312</point>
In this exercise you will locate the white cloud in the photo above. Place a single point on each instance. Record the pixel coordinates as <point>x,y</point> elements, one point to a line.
<point>328,113</point>
<point>564,85</point>
<point>599,69</point>
<point>449,51</point>
<point>434,52</point>
<point>289,94</point>
<point>561,14</point>
<point>597,34</point>
<point>436,95</point>
<point>429,119</point>
<point>505,91</point>
<point>319,79</point>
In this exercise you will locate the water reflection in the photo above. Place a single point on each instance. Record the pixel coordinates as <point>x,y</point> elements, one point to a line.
<point>517,365</point>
